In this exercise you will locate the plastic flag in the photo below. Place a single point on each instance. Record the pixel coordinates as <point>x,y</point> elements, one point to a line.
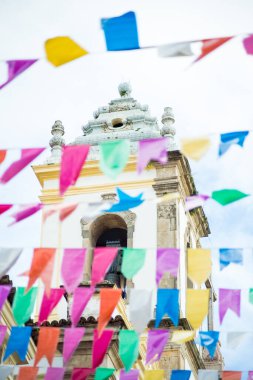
<point>16,68</point>
<point>23,304</point>
<point>128,347</point>
<point>109,299</point>
<point>133,261</point>
<point>72,267</point>
<point>229,299</point>
<point>49,302</point>
<point>61,50</point>
<point>18,342</point>
<point>114,156</point>
<point>47,344</point>
<point>167,303</point>
<point>197,301</point>
<point>100,345</point>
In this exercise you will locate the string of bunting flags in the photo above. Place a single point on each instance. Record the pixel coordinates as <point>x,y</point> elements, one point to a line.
<point>121,33</point>
<point>101,373</point>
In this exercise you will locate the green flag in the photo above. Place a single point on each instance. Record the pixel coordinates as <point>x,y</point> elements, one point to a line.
<point>128,347</point>
<point>226,196</point>
<point>103,373</point>
<point>114,156</point>
<point>23,304</point>
<point>133,261</point>
<point>251,295</point>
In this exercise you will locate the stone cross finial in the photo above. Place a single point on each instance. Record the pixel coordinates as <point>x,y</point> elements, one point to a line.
<point>56,142</point>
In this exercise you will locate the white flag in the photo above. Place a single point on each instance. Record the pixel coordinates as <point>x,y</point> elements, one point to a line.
<point>208,374</point>
<point>180,49</point>
<point>6,371</point>
<point>140,308</point>
<point>234,339</point>
<point>8,257</point>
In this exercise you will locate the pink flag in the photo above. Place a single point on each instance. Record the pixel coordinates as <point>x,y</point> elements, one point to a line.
<point>27,156</point>
<point>152,149</point>
<point>3,330</point>
<point>25,213</point>
<point>248,44</point>
<point>157,340</point>
<point>16,67</point>
<point>133,374</point>
<point>102,260</point>
<point>5,207</point>
<point>54,373</point>
<point>4,292</point>
<point>49,302</point>
<point>250,374</point>
<point>81,297</point>
<point>81,373</point>
<point>73,158</point>
<point>167,260</point>
<point>72,338</point>
<point>195,201</point>
<point>229,299</point>
<point>99,346</point>
<point>72,267</point>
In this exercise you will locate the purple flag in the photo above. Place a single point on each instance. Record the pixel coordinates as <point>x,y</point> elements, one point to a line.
<point>167,260</point>
<point>152,149</point>
<point>250,375</point>
<point>16,67</point>
<point>229,299</point>
<point>54,373</point>
<point>248,44</point>
<point>27,156</point>
<point>195,201</point>
<point>72,337</point>
<point>4,292</point>
<point>25,213</point>
<point>81,297</point>
<point>72,267</point>
<point>157,340</point>
<point>2,333</point>
<point>133,374</point>
<point>49,303</point>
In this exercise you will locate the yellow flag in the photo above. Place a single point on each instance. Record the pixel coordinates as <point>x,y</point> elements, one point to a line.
<point>154,375</point>
<point>60,50</point>
<point>195,148</point>
<point>196,306</point>
<point>199,264</point>
<point>182,336</point>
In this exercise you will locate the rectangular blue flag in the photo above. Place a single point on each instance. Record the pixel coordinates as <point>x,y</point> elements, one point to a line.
<point>121,32</point>
<point>18,342</point>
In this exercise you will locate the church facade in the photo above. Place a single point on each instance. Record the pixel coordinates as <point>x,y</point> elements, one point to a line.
<point>161,221</point>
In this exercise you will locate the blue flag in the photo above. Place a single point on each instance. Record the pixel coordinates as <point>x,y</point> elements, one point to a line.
<point>230,255</point>
<point>167,303</point>
<point>121,32</point>
<point>180,374</point>
<point>126,202</point>
<point>209,340</point>
<point>228,139</point>
<point>18,342</point>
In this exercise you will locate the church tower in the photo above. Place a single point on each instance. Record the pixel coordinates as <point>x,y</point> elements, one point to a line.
<point>161,221</point>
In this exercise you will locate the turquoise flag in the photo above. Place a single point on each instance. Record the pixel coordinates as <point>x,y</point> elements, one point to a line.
<point>133,261</point>
<point>23,304</point>
<point>114,156</point>
<point>103,373</point>
<point>128,347</point>
<point>226,196</point>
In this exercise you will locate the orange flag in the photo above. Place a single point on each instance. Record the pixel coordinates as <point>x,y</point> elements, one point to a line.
<point>109,299</point>
<point>27,373</point>
<point>211,44</point>
<point>42,266</point>
<point>47,344</point>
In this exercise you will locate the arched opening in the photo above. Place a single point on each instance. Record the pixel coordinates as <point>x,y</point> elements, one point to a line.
<point>111,231</point>
<point>117,123</point>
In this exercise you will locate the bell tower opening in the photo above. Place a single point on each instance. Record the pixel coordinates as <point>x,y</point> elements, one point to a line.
<point>110,230</point>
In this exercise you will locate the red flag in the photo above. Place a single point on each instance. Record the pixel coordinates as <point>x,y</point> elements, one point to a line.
<point>210,45</point>
<point>109,299</point>
<point>66,211</point>
<point>81,373</point>
<point>100,346</point>
<point>43,259</point>
<point>2,155</point>
<point>47,344</point>
<point>27,373</point>
<point>4,208</point>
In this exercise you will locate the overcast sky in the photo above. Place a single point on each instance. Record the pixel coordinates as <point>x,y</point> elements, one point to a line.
<point>212,96</point>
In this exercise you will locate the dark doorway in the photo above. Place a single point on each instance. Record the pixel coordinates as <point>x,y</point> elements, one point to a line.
<point>114,237</point>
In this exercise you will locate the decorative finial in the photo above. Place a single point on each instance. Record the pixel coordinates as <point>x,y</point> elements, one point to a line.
<point>168,119</point>
<point>56,141</point>
<point>125,89</point>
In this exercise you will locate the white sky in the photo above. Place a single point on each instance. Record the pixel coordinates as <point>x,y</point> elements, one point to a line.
<point>212,96</point>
